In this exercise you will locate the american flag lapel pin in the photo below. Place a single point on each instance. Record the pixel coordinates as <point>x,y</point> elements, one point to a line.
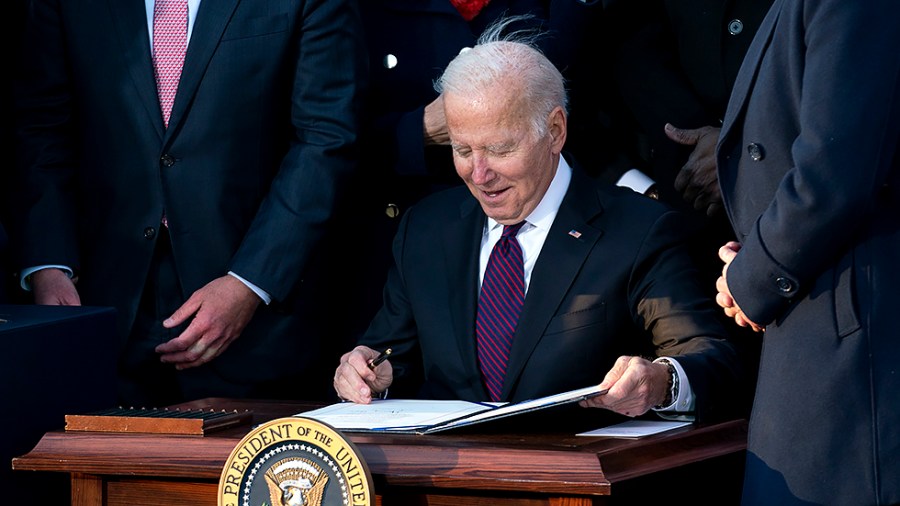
<point>574,233</point>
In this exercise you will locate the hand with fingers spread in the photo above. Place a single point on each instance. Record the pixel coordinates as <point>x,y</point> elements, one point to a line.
<point>355,381</point>
<point>697,180</point>
<point>724,298</point>
<point>635,385</point>
<point>220,311</point>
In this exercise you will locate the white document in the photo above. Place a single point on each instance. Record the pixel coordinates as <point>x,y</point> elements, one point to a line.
<point>636,428</point>
<point>424,416</point>
<point>393,414</point>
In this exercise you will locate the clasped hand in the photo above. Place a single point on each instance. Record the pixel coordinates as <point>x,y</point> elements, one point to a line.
<point>723,297</point>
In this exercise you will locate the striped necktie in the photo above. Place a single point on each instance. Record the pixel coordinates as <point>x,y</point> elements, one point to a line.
<point>502,296</point>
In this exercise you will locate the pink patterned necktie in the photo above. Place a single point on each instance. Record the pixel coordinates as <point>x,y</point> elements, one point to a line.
<point>170,22</point>
<point>499,305</point>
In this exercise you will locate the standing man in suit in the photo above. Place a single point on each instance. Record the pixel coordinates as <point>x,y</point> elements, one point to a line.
<point>203,224</point>
<point>809,167</point>
<point>606,279</point>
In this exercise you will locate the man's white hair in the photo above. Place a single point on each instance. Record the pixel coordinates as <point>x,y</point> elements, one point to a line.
<point>501,57</point>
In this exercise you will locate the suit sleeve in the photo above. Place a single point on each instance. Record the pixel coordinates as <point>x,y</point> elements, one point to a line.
<point>44,230</point>
<point>394,325</point>
<point>683,320</point>
<point>849,119</point>
<point>325,112</point>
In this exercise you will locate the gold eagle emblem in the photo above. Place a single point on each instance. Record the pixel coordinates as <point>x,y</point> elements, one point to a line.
<point>296,482</point>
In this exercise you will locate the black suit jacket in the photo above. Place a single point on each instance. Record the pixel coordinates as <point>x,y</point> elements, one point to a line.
<point>676,62</point>
<point>624,286</point>
<point>262,135</point>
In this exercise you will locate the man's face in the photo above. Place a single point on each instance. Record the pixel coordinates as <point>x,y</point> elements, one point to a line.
<point>504,164</point>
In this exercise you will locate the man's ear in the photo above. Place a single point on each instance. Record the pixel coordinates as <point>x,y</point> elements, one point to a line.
<point>557,128</point>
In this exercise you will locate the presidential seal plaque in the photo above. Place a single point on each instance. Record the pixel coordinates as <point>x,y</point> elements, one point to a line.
<point>295,461</point>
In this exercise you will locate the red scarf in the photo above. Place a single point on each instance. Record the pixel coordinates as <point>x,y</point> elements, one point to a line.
<point>469,8</point>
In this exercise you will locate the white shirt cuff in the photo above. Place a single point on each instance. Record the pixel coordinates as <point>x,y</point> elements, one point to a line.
<point>636,180</point>
<point>25,276</point>
<point>257,290</point>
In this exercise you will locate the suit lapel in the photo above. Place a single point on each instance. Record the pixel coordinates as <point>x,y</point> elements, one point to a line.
<point>747,76</point>
<point>130,26</point>
<point>463,265</point>
<point>212,18</point>
<point>558,265</point>
<point>738,102</point>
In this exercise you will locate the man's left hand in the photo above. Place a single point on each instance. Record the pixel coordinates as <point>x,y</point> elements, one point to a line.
<point>723,297</point>
<point>635,385</point>
<point>220,311</point>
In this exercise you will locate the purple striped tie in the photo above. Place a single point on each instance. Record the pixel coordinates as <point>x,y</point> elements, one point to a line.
<point>502,295</point>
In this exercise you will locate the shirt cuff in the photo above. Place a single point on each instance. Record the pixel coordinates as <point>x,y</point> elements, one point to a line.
<point>683,405</point>
<point>636,180</point>
<point>25,276</point>
<point>257,290</point>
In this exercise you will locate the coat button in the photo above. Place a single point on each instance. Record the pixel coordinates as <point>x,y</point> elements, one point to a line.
<point>735,26</point>
<point>756,152</point>
<point>149,233</point>
<point>167,160</point>
<point>392,211</point>
<point>784,285</point>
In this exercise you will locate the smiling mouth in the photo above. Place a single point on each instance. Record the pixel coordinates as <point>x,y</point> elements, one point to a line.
<point>492,194</point>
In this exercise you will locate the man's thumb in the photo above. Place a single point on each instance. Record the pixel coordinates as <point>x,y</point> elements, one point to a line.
<point>685,137</point>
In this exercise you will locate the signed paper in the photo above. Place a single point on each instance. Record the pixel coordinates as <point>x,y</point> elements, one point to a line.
<point>393,414</point>
<point>424,416</point>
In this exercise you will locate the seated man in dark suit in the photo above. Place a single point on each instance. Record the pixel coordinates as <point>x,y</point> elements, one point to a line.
<point>601,273</point>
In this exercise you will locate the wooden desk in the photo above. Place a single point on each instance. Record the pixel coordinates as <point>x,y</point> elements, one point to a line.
<point>113,469</point>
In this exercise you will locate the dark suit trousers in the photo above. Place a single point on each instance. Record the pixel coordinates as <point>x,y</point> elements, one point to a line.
<point>143,379</point>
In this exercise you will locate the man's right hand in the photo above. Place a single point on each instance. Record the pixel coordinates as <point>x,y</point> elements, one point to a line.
<point>355,381</point>
<point>435,127</point>
<point>53,287</point>
<point>697,180</point>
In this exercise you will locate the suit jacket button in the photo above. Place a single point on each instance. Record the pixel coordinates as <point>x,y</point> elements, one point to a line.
<point>167,160</point>
<point>784,285</point>
<point>149,233</point>
<point>735,26</point>
<point>756,152</point>
<point>392,211</point>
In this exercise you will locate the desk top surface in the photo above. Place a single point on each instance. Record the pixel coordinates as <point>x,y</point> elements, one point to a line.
<point>546,462</point>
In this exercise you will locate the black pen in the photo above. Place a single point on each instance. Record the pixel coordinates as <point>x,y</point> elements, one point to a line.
<point>380,358</point>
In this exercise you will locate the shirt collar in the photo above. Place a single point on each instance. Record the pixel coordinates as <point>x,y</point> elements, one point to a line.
<point>543,215</point>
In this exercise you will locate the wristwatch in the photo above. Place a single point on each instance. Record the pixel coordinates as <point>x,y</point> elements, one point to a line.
<point>673,385</point>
